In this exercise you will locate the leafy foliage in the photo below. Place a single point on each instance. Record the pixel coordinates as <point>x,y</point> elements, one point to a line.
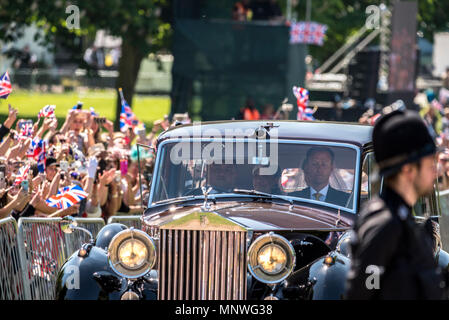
<point>140,21</point>
<point>345,17</point>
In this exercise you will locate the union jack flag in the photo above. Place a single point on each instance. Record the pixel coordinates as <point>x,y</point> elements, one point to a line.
<point>67,197</point>
<point>307,32</point>
<point>22,175</point>
<point>37,152</point>
<point>302,96</point>
<point>127,117</point>
<point>26,130</point>
<point>47,111</point>
<point>5,85</point>
<point>305,114</point>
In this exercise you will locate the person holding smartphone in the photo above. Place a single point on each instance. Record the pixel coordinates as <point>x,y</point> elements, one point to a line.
<point>13,202</point>
<point>17,199</point>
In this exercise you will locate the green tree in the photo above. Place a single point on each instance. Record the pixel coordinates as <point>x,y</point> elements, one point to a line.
<point>143,25</point>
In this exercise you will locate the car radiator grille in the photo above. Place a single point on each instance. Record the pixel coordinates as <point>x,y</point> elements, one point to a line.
<point>202,265</point>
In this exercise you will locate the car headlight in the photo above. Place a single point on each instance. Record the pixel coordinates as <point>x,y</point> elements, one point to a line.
<point>271,258</point>
<point>132,253</point>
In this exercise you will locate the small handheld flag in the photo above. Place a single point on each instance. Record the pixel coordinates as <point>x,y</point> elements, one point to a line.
<point>127,117</point>
<point>302,98</point>
<point>38,153</point>
<point>47,111</point>
<point>26,130</point>
<point>5,85</point>
<point>67,197</point>
<point>22,175</point>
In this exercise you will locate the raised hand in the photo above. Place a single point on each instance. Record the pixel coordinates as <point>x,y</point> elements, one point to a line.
<point>92,167</point>
<point>47,123</point>
<point>37,197</point>
<point>11,117</point>
<point>107,177</point>
<point>54,124</point>
<point>72,210</point>
<point>108,125</point>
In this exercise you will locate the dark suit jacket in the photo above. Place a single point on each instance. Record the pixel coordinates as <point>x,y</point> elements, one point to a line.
<point>333,196</point>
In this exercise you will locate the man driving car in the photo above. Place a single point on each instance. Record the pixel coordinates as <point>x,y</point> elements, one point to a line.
<point>318,167</point>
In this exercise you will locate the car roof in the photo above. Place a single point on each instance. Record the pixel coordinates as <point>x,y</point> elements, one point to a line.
<point>353,133</point>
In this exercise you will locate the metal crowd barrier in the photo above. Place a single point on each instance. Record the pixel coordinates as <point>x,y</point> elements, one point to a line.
<point>42,251</point>
<point>33,250</point>
<point>12,286</point>
<point>129,221</point>
<point>44,248</point>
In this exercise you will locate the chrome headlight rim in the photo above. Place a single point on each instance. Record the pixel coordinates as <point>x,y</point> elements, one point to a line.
<point>122,238</point>
<point>261,243</point>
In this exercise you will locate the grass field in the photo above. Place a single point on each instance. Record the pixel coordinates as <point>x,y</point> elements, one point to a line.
<point>146,108</point>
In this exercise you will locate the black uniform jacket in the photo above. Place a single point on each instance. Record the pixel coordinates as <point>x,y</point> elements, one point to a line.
<point>387,237</point>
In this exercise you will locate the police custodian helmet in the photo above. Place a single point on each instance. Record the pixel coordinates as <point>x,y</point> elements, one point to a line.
<point>400,137</point>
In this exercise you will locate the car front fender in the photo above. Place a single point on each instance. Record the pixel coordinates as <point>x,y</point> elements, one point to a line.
<point>323,279</point>
<point>76,279</point>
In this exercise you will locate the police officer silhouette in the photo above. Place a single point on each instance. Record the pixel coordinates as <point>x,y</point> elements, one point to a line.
<point>386,239</point>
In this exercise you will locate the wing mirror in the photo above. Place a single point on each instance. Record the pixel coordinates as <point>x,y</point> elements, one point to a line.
<point>69,224</point>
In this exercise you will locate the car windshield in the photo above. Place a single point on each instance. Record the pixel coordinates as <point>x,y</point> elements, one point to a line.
<point>321,173</point>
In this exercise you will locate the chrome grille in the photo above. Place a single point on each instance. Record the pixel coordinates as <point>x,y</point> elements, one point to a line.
<point>202,265</point>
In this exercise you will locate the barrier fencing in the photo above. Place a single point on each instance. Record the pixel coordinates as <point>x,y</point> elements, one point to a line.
<point>33,250</point>
<point>11,280</point>
<point>129,221</point>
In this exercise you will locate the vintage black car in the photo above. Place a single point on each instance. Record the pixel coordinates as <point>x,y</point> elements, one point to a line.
<point>234,213</point>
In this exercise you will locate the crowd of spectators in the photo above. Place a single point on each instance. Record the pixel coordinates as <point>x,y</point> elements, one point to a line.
<point>434,109</point>
<point>84,151</point>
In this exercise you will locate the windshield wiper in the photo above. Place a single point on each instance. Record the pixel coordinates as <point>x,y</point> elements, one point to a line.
<point>182,199</point>
<point>263,194</point>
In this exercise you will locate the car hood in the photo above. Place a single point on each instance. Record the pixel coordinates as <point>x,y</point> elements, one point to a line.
<point>257,216</point>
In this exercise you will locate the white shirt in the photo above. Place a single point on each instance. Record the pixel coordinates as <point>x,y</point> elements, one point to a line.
<point>322,191</point>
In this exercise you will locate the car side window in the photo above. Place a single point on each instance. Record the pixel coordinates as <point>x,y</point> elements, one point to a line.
<point>370,186</point>
<point>437,202</point>
<point>431,204</point>
<point>442,184</point>
<point>426,207</point>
